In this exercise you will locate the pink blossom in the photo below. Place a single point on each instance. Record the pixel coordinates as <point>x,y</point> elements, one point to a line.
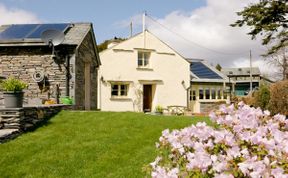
<point>224,175</point>
<point>240,131</point>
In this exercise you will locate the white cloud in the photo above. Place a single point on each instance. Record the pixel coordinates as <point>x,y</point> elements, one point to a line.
<point>208,34</point>
<point>15,16</point>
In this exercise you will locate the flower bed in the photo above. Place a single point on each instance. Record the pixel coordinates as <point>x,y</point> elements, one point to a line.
<point>247,142</point>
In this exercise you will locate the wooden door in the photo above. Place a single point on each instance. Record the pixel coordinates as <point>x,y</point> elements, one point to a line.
<point>87,86</point>
<point>147,98</point>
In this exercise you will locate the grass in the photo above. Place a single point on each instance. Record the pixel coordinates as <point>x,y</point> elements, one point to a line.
<point>88,144</point>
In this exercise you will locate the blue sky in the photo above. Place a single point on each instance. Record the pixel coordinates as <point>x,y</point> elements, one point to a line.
<point>200,28</point>
<point>105,15</point>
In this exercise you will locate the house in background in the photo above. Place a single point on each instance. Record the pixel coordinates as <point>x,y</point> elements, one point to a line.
<point>209,87</point>
<point>242,78</point>
<point>141,73</point>
<point>71,72</point>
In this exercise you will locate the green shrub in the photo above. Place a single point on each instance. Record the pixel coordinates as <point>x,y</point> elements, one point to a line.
<point>13,84</point>
<point>159,109</point>
<point>262,97</point>
<point>279,98</point>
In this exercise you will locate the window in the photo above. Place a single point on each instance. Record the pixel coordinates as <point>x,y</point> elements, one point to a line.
<point>219,93</point>
<point>119,90</point>
<point>201,95</point>
<point>207,93</point>
<point>213,93</point>
<point>143,59</point>
<point>192,95</point>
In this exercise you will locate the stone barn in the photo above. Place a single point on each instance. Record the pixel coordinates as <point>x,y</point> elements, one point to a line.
<point>65,70</point>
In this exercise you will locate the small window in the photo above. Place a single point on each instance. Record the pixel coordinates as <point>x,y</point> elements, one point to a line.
<point>143,59</point>
<point>119,90</point>
<point>201,94</point>
<point>219,91</point>
<point>213,93</point>
<point>207,93</point>
<point>192,95</point>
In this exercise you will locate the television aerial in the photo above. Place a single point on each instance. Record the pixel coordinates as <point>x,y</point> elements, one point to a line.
<point>52,38</point>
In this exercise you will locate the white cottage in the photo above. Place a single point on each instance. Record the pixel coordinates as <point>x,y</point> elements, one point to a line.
<point>141,73</point>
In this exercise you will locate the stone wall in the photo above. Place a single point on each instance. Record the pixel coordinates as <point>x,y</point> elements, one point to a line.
<point>22,62</point>
<point>86,55</point>
<point>18,120</point>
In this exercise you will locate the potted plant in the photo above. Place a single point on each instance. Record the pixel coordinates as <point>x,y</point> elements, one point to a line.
<point>159,109</point>
<point>13,92</point>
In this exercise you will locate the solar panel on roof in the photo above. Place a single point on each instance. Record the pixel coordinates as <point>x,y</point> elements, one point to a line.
<point>17,31</point>
<point>202,71</point>
<point>37,32</point>
<point>22,31</point>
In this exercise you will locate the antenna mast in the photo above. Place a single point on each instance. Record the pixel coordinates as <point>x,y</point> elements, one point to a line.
<point>251,71</point>
<point>131,29</point>
<point>143,21</point>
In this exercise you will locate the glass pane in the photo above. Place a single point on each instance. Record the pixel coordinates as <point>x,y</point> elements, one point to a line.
<point>140,58</point>
<point>207,93</point>
<point>219,94</point>
<point>194,95</point>
<point>201,96</point>
<point>146,58</point>
<point>146,62</point>
<point>114,90</point>
<point>140,62</point>
<point>213,93</point>
<point>123,90</point>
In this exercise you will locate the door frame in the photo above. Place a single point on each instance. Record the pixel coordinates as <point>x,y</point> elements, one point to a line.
<point>147,100</point>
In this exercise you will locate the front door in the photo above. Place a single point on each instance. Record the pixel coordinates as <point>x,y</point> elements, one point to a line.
<point>147,98</point>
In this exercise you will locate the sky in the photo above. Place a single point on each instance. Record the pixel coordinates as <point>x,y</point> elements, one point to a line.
<point>194,28</point>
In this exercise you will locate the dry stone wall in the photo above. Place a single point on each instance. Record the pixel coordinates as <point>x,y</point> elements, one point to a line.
<point>19,120</point>
<point>22,62</point>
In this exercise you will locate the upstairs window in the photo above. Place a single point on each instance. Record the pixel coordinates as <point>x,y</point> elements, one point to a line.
<point>119,90</point>
<point>143,59</point>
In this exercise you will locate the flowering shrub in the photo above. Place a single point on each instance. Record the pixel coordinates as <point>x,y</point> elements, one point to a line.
<point>247,142</point>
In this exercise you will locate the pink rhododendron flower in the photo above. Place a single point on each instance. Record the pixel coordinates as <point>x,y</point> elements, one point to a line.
<point>248,140</point>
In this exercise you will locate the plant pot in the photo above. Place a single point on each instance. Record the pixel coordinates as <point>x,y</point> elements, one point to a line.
<point>13,99</point>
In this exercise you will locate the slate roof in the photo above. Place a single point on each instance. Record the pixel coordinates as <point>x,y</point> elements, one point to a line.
<point>73,36</point>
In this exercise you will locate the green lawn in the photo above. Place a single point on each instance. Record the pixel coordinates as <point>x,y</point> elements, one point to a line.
<point>88,144</point>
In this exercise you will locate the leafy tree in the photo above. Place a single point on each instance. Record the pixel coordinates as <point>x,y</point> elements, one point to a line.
<point>218,67</point>
<point>269,19</point>
<point>104,45</point>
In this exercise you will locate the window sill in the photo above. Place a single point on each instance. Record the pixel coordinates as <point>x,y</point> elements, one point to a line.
<point>144,68</point>
<point>120,98</point>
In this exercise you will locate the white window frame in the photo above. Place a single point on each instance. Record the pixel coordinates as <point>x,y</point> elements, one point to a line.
<point>119,90</point>
<point>141,56</point>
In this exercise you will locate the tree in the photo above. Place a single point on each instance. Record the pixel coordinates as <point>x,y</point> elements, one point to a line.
<point>218,67</point>
<point>280,60</point>
<point>104,45</point>
<point>267,18</point>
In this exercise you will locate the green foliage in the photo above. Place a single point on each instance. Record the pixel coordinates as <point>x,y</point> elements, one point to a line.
<point>13,84</point>
<point>159,109</point>
<point>262,97</point>
<point>88,144</point>
<point>278,100</point>
<point>267,18</point>
<point>104,45</point>
<point>218,67</point>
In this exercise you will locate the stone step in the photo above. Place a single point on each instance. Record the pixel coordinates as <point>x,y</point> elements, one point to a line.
<point>4,133</point>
